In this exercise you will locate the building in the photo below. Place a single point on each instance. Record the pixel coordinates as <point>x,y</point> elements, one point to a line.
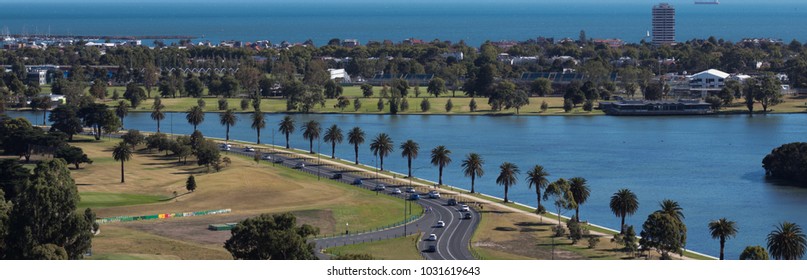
<point>663,24</point>
<point>707,82</point>
<point>656,108</point>
<point>349,43</point>
<point>38,76</point>
<point>613,43</point>
<point>340,75</point>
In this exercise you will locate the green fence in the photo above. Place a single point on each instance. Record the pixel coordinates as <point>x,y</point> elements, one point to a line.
<point>161,216</point>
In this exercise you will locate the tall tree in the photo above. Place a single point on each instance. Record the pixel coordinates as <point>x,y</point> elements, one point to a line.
<point>663,232</point>
<point>624,203</point>
<point>672,208</point>
<point>537,177</point>
<point>580,192</point>
<point>508,176</point>
<point>472,167</point>
<point>195,116</point>
<point>436,87</point>
<point>157,111</point>
<point>271,237</point>
<point>409,150</point>
<point>754,253</point>
<point>122,110</point>
<point>440,158</point>
<point>190,184</point>
<point>356,137</point>
<point>311,131</point>
<point>382,146</point>
<point>564,199</point>
<point>65,118</point>
<point>334,136</point>
<point>228,119</point>
<point>258,123</point>
<point>286,126</point>
<point>123,153</point>
<point>787,242</point>
<point>722,230</point>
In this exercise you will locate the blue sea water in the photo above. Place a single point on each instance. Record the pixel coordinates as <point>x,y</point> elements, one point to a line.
<point>473,22</point>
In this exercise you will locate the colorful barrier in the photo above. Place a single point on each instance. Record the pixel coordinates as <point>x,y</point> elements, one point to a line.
<point>161,216</point>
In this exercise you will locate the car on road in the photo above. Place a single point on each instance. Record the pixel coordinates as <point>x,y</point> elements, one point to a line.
<point>277,160</point>
<point>396,191</point>
<point>299,165</point>
<point>434,194</point>
<point>431,248</point>
<point>410,190</point>
<point>225,147</point>
<point>432,237</point>
<point>357,182</point>
<point>440,224</point>
<point>266,157</point>
<point>452,202</point>
<point>379,187</point>
<point>467,215</point>
<point>464,208</point>
<point>248,149</point>
<point>336,176</point>
<point>414,196</point>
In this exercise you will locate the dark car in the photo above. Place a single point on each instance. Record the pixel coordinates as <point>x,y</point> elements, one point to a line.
<point>336,176</point>
<point>414,196</point>
<point>357,182</point>
<point>452,202</point>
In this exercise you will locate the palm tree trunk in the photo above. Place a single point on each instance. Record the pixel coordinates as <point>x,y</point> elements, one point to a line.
<point>382,163</point>
<point>194,127</point>
<point>45,115</point>
<point>440,178</point>
<point>158,126</point>
<point>287,140</point>
<point>622,225</point>
<point>311,145</point>
<point>722,245</point>
<point>577,213</point>
<point>121,172</point>
<point>409,163</point>
<point>333,149</point>
<point>356,148</point>
<point>538,196</point>
<point>473,176</point>
<point>506,188</point>
<point>228,132</point>
<point>259,135</point>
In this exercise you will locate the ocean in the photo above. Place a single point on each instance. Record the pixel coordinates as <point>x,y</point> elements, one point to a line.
<point>472,22</point>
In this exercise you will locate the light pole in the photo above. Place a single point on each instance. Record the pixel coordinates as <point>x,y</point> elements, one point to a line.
<point>318,162</point>
<point>347,228</point>
<point>273,147</point>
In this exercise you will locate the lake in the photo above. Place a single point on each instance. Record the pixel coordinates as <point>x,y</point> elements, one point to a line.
<point>711,165</point>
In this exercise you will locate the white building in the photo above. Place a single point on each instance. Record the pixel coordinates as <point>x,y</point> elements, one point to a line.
<point>339,75</point>
<point>706,82</point>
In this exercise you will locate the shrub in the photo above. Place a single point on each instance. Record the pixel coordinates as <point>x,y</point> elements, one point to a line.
<point>593,241</point>
<point>544,106</point>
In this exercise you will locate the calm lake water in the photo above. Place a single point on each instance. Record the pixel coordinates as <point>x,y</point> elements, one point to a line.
<point>710,165</point>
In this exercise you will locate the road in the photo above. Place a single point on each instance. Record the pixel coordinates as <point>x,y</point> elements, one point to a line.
<point>452,240</point>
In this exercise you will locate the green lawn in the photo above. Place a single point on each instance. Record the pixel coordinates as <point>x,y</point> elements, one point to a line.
<point>102,200</point>
<point>401,248</point>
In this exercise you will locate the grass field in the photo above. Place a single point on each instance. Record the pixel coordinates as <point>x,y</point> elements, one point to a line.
<point>401,248</point>
<point>245,187</point>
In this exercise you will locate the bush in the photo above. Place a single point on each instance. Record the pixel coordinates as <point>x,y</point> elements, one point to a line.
<point>425,105</point>
<point>449,105</point>
<point>568,105</point>
<point>593,241</point>
<point>473,105</point>
<point>788,162</point>
<point>714,102</point>
<point>380,104</point>
<point>588,106</point>
<point>544,106</point>
<point>559,230</point>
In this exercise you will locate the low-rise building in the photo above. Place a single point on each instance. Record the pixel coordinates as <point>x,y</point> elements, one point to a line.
<point>707,82</point>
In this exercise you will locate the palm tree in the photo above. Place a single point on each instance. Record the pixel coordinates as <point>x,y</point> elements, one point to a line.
<point>311,131</point>
<point>624,203</point>
<point>333,135</point>
<point>286,126</point>
<point>228,119</point>
<point>409,150</point>
<point>356,137</point>
<point>382,147</point>
<point>258,122</point>
<point>440,158</point>
<point>195,116</point>
<point>157,111</point>
<point>122,110</point>
<point>507,177</point>
<point>122,152</point>
<point>722,229</point>
<point>472,167</point>
<point>580,192</point>
<point>537,176</point>
<point>787,242</point>
<point>671,207</point>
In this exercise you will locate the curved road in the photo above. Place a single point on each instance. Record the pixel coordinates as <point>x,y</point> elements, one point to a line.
<point>452,240</point>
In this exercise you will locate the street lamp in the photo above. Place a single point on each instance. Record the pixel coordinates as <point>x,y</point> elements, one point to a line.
<point>347,228</point>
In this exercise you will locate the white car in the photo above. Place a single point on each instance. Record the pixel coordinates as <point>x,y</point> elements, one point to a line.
<point>434,194</point>
<point>225,147</point>
<point>248,149</point>
<point>379,187</point>
<point>299,165</point>
<point>410,190</point>
<point>440,224</point>
<point>396,191</point>
<point>432,237</point>
<point>464,208</point>
<point>266,157</point>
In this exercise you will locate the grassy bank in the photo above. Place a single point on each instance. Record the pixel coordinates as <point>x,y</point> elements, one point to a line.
<point>401,248</point>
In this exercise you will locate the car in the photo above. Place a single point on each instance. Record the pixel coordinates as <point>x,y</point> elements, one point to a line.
<point>467,215</point>
<point>379,187</point>
<point>431,248</point>
<point>336,176</point>
<point>396,191</point>
<point>414,196</point>
<point>277,160</point>
<point>225,147</point>
<point>357,182</point>
<point>464,208</point>
<point>440,224</point>
<point>452,202</point>
<point>299,165</point>
<point>432,237</point>
<point>248,149</point>
<point>410,190</point>
<point>266,157</point>
<point>434,194</point>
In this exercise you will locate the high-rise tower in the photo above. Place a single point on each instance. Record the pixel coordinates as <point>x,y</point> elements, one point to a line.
<point>663,24</point>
